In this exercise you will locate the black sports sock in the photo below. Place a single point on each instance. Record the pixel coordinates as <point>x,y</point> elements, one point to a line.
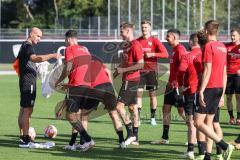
<point>201,147</point>
<point>238,139</point>
<point>73,138</point>
<point>120,136</point>
<point>218,149</point>
<point>165,132</point>
<point>139,113</point>
<point>85,135</point>
<point>82,140</point>
<point>223,145</point>
<point>153,113</point>
<point>190,147</point>
<point>207,156</point>
<point>21,137</point>
<point>26,138</point>
<point>231,113</point>
<point>129,129</point>
<point>135,132</point>
<point>238,115</point>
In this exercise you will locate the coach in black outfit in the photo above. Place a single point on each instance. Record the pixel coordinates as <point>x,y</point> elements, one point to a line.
<point>27,81</point>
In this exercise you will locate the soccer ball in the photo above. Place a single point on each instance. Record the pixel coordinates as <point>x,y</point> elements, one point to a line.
<point>50,131</point>
<point>32,133</point>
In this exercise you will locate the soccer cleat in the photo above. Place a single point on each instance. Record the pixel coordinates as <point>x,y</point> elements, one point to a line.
<point>88,145</point>
<point>153,122</point>
<point>188,155</point>
<point>219,157</point>
<point>238,122</point>
<point>135,143</point>
<point>200,157</point>
<point>68,147</point>
<point>129,140</point>
<point>162,141</point>
<point>232,121</point>
<point>79,146</point>
<point>122,145</point>
<point>236,145</point>
<point>227,153</point>
<point>25,144</point>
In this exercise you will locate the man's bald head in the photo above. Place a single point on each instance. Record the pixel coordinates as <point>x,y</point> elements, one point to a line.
<point>35,35</point>
<point>35,30</point>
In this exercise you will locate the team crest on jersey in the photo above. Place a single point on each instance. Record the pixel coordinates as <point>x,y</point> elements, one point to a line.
<point>150,43</point>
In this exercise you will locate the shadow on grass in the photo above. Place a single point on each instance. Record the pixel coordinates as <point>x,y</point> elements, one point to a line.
<point>106,148</point>
<point>102,152</point>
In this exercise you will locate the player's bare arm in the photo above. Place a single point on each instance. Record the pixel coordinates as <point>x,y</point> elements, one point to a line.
<point>205,78</point>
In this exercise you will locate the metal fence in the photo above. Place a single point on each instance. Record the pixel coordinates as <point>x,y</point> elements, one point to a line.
<point>92,34</point>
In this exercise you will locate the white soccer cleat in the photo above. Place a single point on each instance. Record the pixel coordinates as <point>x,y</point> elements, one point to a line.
<point>153,122</point>
<point>26,144</point>
<point>227,154</point>
<point>71,148</point>
<point>135,143</point>
<point>79,146</point>
<point>88,145</point>
<point>129,140</point>
<point>161,141</point>
<point>188,155</point>
<point>122,145</point>
<point>49,144</point>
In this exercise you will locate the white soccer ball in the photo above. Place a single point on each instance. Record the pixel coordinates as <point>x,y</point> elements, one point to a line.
<point>50,131</point>
<point>32,133</point>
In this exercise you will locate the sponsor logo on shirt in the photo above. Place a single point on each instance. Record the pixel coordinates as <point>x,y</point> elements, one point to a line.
<point>223,49</point>
<point>150,44</point>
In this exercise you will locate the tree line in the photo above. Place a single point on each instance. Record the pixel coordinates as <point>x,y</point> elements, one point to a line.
<point>51,14</point>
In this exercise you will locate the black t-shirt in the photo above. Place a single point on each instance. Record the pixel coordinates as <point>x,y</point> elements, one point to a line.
<point>27,68</point>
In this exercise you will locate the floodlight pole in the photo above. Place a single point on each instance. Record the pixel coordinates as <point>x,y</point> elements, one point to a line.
<point>151,19</point>
<point>129,10</point>
<point>214,9</point>
<point>201,13</point>
<point>163,14</point>
<point>139,14</point>
<point>0,19</point>
<point>229,14</point>
<point>118,17</point>
<point>109,20</point>
<point>188,14</point>
<point>175,13</point>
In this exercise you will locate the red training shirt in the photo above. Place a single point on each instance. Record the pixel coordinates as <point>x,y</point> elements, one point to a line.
<point>152,45</point>
<point>190,70</point>
<point>233,58</point>
<point>131,55</point>
<point>215,52</point>
<point>80,58</point>
<point>178,52</point>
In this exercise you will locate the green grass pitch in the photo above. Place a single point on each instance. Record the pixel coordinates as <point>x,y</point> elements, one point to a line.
<point>100,128</point>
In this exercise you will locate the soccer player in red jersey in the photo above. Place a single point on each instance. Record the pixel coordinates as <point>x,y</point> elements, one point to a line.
<point>233,71</point>
<point>211,93</point>
<point>172,96</point>
<point>190,70</point>
<point>153,49</point>
<point>131,63</point>
<point>89,83</point>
